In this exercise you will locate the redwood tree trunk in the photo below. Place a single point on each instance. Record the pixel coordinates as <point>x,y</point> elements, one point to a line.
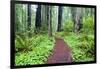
<point>29,19</point>
<point>29,16</point>
<point>77,18</point>
<point>59,18</point>
<point>49,16</point>
<point>38,19</point>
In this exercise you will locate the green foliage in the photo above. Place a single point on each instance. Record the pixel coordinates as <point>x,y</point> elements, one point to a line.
<point>68,26</point>
<point>87,43</point>
<point>23,44</point>
<point>61,34</point>
<point>88,25</point>
<point>82,46</point>
<point>42,46</point>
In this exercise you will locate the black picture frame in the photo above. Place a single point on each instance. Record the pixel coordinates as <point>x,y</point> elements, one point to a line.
<point>12,32</point>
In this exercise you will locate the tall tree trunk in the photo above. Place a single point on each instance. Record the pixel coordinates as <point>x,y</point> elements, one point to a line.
<point>38,19</point>
<point>78,19</point>
<point>59,18</point>
<point>44,21</point>
<point>49,15</point>
<point>29,19</point>
<point>29,16</point>
<point>22,19</point>
<point>73,12</point>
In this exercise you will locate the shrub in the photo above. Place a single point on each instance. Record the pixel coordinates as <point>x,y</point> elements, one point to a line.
<point>39,54</point>
<point>68,26</point>
<point>23,44</point>
<point>82,46</point>
<point>88,25</point>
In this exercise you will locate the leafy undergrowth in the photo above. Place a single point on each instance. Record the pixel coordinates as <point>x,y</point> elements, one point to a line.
<point>81,44</point>
<point>41,48</point>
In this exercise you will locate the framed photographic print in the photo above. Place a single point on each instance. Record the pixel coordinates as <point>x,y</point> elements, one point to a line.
<point>49,34</point>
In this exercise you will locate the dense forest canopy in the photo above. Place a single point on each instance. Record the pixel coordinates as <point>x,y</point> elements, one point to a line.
<point>37,25</point>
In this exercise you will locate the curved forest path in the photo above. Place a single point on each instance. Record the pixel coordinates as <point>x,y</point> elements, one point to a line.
<point>61,53</point>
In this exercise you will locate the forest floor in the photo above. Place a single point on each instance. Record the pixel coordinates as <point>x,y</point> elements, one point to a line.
<point>61,53</point>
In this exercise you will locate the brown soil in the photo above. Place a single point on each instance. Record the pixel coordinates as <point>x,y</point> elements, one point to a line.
<point>61,53</point>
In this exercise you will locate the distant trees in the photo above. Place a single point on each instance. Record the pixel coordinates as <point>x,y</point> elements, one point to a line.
<point>18,17</point>
<point>49,19</point>
<point>88,12</point>
<point>43,18</point>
